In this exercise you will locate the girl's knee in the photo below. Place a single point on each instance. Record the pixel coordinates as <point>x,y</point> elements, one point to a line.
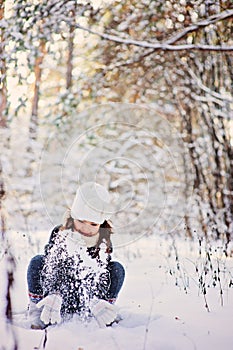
<point>36,262</point>
<point>116,268</point>
<point>35,266</point>
<point>34,277</point>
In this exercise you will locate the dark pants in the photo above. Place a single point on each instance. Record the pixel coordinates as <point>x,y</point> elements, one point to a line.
<point>116,271</point>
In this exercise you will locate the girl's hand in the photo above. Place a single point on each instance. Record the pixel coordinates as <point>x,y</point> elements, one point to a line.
<point>51,309</point>
<point>104,312</point>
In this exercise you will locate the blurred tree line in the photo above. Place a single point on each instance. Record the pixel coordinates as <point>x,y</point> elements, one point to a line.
<point>59,57</point>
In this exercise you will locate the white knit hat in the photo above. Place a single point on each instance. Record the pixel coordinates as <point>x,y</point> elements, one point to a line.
<point>91,203</point>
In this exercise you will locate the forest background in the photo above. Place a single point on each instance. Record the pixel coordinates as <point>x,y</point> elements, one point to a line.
<point>141,92</point>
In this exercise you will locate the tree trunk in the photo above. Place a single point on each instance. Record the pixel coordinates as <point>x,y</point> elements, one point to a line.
<point>35,101</point>
<point>3,86</point>
<point>70,52</point>
<point>10,265</point>
<point>2,197</point>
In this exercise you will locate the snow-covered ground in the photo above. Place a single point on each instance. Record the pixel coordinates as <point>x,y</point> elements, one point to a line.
<point>157,314</point>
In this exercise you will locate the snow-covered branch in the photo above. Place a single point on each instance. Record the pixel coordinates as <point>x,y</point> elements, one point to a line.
<point>204,23</point>
<point>203,87</point>
<point>208,99</point>
<point>158,46</point>
<point>167,45</point>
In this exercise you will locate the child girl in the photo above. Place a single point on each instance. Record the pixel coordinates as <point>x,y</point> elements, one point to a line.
<point>75,275</point>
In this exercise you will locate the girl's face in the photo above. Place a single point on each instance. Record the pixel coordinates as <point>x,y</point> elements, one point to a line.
<point>86,228</point>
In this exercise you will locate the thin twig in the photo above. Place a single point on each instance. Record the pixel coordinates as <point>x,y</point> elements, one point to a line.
<point>43,341</point>
<point>149,318</point>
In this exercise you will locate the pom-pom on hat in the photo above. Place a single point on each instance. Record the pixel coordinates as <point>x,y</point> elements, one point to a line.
<point>91,203</point>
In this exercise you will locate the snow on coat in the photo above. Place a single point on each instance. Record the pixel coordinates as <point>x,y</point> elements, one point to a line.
<point>77,277</point>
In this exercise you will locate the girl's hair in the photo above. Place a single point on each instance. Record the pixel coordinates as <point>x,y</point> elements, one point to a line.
<point>106,229</point>
<point>68,223</point>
